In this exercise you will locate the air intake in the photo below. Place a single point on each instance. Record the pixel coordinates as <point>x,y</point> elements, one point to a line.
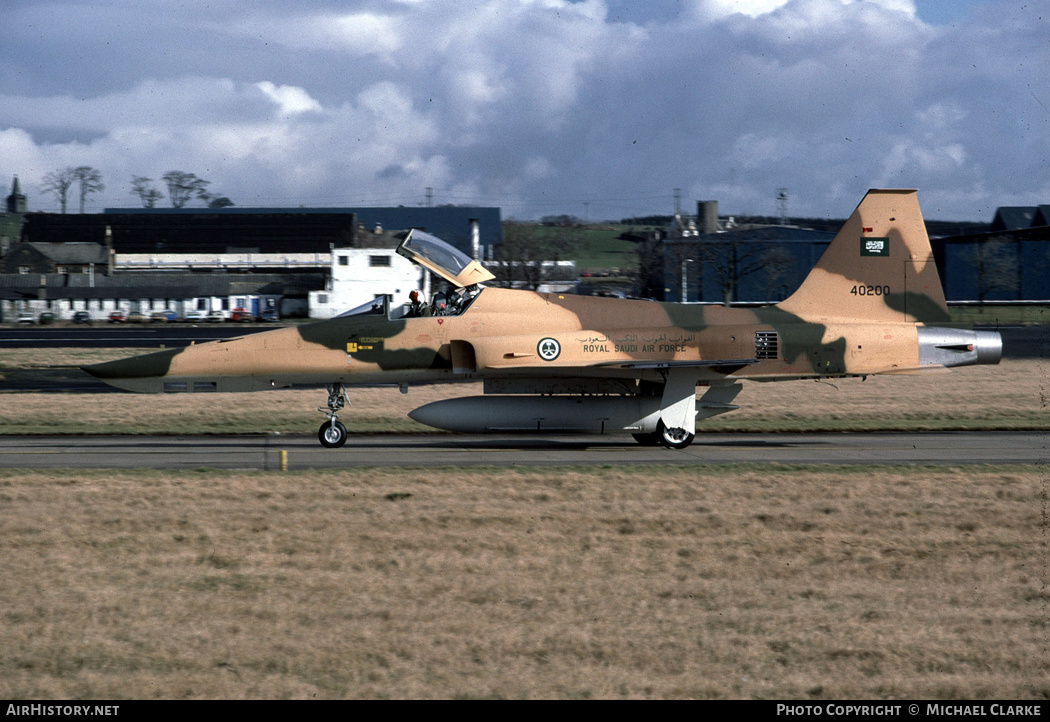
<point>766,345</point>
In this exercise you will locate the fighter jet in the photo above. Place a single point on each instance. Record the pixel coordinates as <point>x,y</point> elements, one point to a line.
<point>552,362</point>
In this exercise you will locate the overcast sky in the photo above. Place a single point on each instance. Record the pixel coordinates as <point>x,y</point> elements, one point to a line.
<point>596,108</point>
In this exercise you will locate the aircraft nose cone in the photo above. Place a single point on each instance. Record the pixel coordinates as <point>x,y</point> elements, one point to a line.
<point>136,367</point>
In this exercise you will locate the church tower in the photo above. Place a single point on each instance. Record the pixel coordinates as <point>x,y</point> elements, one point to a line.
<point>16,202</point>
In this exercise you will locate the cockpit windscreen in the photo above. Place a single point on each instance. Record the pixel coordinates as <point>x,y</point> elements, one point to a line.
<point>438,252</point>
<point>375,307</point>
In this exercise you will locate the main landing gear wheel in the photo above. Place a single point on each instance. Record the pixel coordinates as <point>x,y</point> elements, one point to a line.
<point>674,438</point>
<point>332,434</point>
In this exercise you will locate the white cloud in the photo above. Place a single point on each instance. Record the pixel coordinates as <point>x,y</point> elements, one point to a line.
<point>363,32</point>
<point>523,103</point>
<point>751,8</point>
<point>290,99</point>
<point>911,159</point>
<point>150,103</point>
<point>18,146</point>
<point>359,34</point>
<point>538,168</point>
<point>940,118</point>
<point>753,151</point>
<point>754,8</point>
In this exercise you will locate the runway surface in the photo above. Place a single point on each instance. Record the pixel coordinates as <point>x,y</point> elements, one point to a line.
<point>430,450</point>
<point>151,336</point>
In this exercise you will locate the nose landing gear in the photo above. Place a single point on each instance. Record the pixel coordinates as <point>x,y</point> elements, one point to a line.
<point>332,433</point>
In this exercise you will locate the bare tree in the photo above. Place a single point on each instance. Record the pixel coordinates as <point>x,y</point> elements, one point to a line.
<point>184,186</point>
<point>997,267</point>
<point>725,261</point>
<point>90,181</point>
<point>219,202</point>
<point>143,188</point>
<point>732,261</point>
<point>526,248</point>
<point>58,183</point>
<point>780,270</point>
<point>650,280</point>
<point>519,254</point>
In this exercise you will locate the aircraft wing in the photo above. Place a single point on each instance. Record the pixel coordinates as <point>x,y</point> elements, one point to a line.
<point>589,349</point>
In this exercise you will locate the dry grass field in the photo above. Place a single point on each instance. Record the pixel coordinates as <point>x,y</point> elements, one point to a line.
<point>1012,395</point>
<point>760,582</point>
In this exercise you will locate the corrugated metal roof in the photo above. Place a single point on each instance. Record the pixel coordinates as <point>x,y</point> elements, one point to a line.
<point>156,285</point>
<point>1011,218</point>
<point>763,234</point>
<point>76,253</point>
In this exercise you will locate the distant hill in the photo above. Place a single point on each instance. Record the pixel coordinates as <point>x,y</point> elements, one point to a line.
<point>933,228</point>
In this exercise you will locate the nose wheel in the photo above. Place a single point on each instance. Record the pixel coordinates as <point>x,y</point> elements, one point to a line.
<point>332,433</point>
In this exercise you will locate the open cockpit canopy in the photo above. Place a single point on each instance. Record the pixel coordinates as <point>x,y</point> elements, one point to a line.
<point>439,257</point>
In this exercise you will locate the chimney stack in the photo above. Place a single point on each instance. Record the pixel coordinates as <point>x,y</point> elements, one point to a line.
<point>475,240</point>
<point>707,216</point>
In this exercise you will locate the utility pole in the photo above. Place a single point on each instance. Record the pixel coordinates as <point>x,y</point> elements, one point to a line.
<point>782,205</point>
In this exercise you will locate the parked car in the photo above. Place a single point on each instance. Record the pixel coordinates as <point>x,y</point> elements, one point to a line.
<point>117,317</point>
<point>163,316</point>
<point>193,316</point>
<point>242,314</point>
<point>82,317</point>
<point>47,317</point>
<point>25,318</point>
<point>269,314</point>
<point>137,317</point>
<point>215,315</point>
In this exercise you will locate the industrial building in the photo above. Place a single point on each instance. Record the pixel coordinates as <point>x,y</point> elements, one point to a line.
<point>713,260</point>
<point>255,230</point>
<point>298,262</point>
<point>321,261</point>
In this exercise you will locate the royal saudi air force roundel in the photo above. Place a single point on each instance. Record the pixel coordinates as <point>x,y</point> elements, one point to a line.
<point>548,349</point>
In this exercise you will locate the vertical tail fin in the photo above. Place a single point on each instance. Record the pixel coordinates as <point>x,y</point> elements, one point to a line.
<point>878,268</point>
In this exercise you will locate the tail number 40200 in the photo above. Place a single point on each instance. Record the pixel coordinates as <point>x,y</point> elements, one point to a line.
<point>870,291</point>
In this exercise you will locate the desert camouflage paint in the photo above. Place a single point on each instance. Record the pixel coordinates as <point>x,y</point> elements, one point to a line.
<point>865,308</point>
